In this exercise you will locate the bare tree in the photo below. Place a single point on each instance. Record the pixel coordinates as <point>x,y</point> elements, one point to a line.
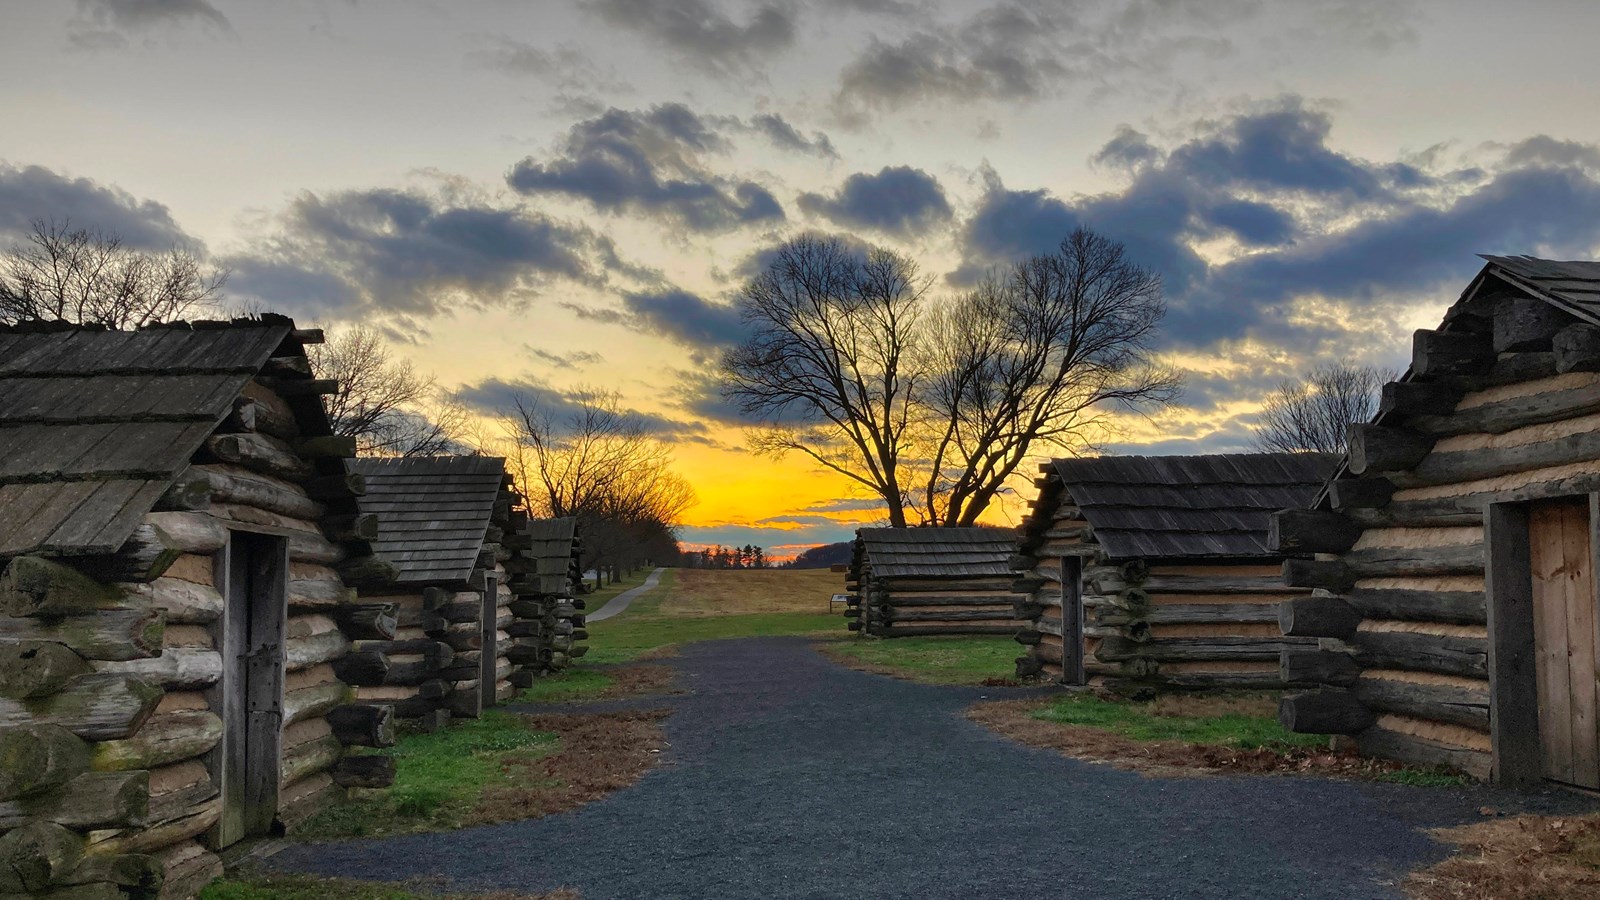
<point>1315,413</point>
<point>829,367</point>
<point>383,402</point>
<point>83,276</point>
<point>586,456</point>
<point>1038,354</point>
<point>934,410</point>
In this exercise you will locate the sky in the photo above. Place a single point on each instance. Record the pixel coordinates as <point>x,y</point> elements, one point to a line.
<point>547,197</point>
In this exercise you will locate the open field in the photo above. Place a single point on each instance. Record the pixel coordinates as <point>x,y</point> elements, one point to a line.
<point>952,659</point>
<point>700,604</point>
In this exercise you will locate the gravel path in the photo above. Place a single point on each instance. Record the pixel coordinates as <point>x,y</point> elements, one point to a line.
<point>620,602</point>
<point>790,776</point>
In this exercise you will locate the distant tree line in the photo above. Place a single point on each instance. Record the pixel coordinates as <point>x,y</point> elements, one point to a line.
<point>822,557</point>
<point>719,557</point>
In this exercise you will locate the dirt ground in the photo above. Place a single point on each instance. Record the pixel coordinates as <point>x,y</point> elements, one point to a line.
<point>600,753</point>
<point>1516,858</point>
<point>635,681</point>
<point>1169,759</point>
<point>722,592</point>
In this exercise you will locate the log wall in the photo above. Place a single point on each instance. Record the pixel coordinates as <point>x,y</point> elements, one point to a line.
<point>1148,624</point>
<point>1403,658</point>
<point>110,704</point>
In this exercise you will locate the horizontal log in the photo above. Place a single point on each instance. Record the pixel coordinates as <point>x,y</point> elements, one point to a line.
<point>1404,748</point>
<point>144,556</point>
<point>951,586</point>
<point>368,621</point>
<point>178,668</point>
<point>32,587</point>
<point>1376,449</point>
<point>1324,712</point>
<point>437,652</point>
<point>1218,681</point>
<point>37,668</point>
<point>190,492</point>
<point>303,653</point>
<point>1309,531</point>
<point>166,738</point>
<point>985,615</point>
<point>136,874</point>
<point>308,758</point>
<point>1577,348</point>
<point>1190,614</point>
<point>332,446</point>
<point>299,802</point>
<point>37,855</point>
<point>95,707</point>
<point>1359,493</point>
<point>1508,415</point>
<point>1382,562</point>
<point>185,602</point>
<point>368,570</point>
<point>260,453</point>
<point>232,484</point>
<point>1305,665</point>
<point>1525,323</point>
<point>1442,654</point>
<point>92,800</point>
<point>1117,649</point>
<point>365,772</point>
<point>108,634</point>
<point>1451,607</point>
<point>1214,584</point>
<point>363,724</point>
<point>183,825</point>
<point>1452,703</point>
<point>363,667</point>
<point>1318,617</point>
<point>1404,399</point>
<point>192,532</point>
<point>1456,466</point>
<point>310,702</point>
<point>38,758</point>
<point>1437,354</point>
<point>894,631</point>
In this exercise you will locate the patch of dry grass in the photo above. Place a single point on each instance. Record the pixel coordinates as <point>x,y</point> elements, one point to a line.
<point>1214,705</point>
<point>697,593</point>
<point>600,753</point>
<point>1016,719</point>
<point>1518,858</point>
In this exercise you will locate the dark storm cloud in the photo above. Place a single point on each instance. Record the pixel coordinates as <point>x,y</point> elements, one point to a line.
<point>1314,222</point>
<point>686,318</point>
<point>649,162</point>
<point>29,193</point>
<point>898,200</point>
<point>787,137</point>
<point>499,396</point>
<point>703,34</point>
<point>351,253</point>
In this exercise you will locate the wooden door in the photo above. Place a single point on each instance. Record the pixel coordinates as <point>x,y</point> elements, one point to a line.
<point>247,760</point>
<point>1072,647</point>
<point>487,629</point>
<point>1566,634</point>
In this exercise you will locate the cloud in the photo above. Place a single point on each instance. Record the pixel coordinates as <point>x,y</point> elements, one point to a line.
<point>686,318</point>
<point>702,35</point>
<point>347,254</point>
<point>104,24</point>
<point>845,505</point>
<point>567,66</point>
<point>898,200</point>
<point>570,360</point>
<point>650,162</point>
<point>29,193</point>
<point>496,396</point>
<point>787,137</point>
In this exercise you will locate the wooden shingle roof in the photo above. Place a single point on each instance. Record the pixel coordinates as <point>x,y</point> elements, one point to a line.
<point>936,552</point>
<point>1571,285</point>
<point>1187,507</point>
<point>432,512</point>
<point>95,424</point>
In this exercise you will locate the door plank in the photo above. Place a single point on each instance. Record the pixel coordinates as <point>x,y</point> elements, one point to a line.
<point>1546,557</point>
<point>1577,561</point>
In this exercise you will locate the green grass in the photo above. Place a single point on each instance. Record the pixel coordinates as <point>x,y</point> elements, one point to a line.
<point>1138,721</point>
<point>566,686</point>
<point>954,659</point>
<point>596,599</point>
<point>1425,778</point>
<point>624,638</point>
<point>275,886</point>
<point>439,778</point>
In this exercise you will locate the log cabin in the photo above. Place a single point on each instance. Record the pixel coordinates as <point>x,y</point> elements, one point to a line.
<point>551,627</point>
<point>175,516</point>
<point>906,582</point>
<point>1453,585</point>
<point>437,641</point>
<point>1149,573</point>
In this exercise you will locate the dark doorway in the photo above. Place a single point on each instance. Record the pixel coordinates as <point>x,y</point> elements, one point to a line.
<point>490,626</point>
<point>1072,648</point>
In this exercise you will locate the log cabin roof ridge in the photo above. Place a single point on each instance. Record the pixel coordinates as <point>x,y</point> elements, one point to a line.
<point>936,552</point>
<point>97,423</point>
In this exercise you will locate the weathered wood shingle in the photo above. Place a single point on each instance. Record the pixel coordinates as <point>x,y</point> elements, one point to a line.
<point>432,512</point>
<point>935,552</point>
<point>95,425</point>
<point>1189,507</point>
